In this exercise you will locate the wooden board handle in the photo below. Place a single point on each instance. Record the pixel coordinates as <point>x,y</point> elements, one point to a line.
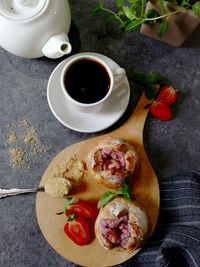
<point>135,124</point>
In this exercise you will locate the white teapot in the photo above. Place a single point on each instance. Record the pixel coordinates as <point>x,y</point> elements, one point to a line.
<point>35,28</point>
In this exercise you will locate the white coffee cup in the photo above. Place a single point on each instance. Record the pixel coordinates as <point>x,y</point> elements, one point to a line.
<point>115,75</point>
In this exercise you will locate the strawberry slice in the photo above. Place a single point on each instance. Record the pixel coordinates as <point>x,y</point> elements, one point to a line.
<point>168,94</point>
<point>160,110</point>
<point>80,208</point>
<point>77,230</point>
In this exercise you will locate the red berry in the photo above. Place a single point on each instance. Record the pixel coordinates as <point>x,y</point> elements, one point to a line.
<point>160,110</point>
<point>168,94</point>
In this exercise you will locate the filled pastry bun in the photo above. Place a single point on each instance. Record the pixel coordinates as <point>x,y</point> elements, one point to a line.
<point>121,225</point>
<point>112,161</point>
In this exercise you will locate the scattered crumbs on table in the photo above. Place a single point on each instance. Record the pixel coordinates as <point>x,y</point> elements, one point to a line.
<point>16,156</point>
<point>24,145</point>
<point>12,138</point>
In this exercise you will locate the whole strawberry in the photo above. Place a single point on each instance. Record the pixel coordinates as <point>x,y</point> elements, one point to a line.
<point>168,94</point>
<point>160,109</point>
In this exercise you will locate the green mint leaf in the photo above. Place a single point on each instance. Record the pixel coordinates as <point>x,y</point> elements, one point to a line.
<point>73,200</point>
<point>129,12</point>
<point>196,9</point>
<point>159,80</point>
<point>134,24</point>
<point>151,13</point>
<point>106,194</point>
<point>162,28</point>
<point>150,91</point>
<point>120,3</point>
<point>96,10</point>
<point>125,191</point>
<point>146,80</point>
<point>161,3</point>
<point>71,217</point>
<point>102,202</point>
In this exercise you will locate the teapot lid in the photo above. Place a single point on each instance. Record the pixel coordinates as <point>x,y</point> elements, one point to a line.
<point>21,9</point>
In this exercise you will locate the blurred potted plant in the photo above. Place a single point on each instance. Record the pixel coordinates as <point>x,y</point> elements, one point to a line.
<point>170,21</point>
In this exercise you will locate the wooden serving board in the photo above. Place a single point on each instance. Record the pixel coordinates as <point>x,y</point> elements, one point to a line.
<point>145,190</point>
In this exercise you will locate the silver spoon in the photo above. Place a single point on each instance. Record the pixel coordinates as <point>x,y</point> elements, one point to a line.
<point>16,191</point>
<point>63,184</point>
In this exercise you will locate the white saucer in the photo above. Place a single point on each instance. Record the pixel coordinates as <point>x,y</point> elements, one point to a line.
<point>87,122</point>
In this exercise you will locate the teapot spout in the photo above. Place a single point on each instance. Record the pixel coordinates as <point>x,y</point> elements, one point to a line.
<point>57,46</point>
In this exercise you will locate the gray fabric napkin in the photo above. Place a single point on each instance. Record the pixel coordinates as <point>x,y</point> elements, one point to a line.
<point>176,239</point>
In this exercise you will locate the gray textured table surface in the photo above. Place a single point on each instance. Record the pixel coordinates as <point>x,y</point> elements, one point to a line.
<point>172,146</point>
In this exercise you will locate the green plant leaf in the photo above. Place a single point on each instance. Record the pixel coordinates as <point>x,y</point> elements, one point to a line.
<point>125,191</point>
<point>96,10</point>
<point>151,13</point>
<point>137,6</point>
<point>163,27</point>
<point>101,3</point>
<point>161,3</point>
<point>139,78</point>
<point>120,3</point>
<point>145,80</point>
<point>196,9</point>
<point>185,3</point>
<point>134,24</point>
<point>106,194</point>
<point>102,202</point>
<point>125,24</point>
<point>158,78</point>
<point>150,91</point>
<point>129,12</point>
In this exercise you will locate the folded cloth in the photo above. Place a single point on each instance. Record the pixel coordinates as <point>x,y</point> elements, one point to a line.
<point>176,239</point>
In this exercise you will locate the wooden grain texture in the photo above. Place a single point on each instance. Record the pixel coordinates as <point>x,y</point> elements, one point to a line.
<point>144,185</point>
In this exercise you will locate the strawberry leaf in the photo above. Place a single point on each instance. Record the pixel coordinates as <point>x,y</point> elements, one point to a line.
<point>67,202</point>
<point>71,217</point>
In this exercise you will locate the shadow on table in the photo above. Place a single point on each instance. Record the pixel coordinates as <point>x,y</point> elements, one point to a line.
<point>193,40</point>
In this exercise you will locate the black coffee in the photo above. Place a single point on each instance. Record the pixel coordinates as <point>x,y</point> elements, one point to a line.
<point>87,81</point>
